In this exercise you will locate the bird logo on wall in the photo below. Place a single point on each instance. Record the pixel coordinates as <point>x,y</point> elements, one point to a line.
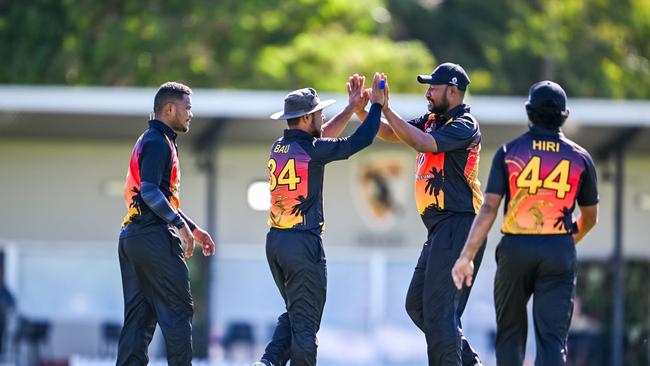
<point>381,184</point>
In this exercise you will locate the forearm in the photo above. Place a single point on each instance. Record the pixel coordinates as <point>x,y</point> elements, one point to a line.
<point>480,228</point>
<point>586,222</point>
<point>364,135</point>
<point>158,203</point>
<point>385,131</point>
<point>190,224</point>
<point>411,135</point>
<point>336,124</point>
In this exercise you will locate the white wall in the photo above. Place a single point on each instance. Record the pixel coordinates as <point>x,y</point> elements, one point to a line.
<point>69,190</point>
<point>58,190</point>
<point>240,224</point>
<point>62,207</point>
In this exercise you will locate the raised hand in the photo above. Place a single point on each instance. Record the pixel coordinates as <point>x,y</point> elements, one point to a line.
<point>378,94</point>
<point>357,95</point>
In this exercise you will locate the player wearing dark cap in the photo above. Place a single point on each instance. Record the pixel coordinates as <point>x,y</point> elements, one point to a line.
<point>294,248</point>
<point>448,195</point>
<point>542,175</point>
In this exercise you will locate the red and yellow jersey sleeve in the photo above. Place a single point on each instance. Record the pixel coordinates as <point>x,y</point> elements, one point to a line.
<point>174,177</point>
<point>170,184</point>
<point>471,176</point>
<point>448,180</point>
<point>132,186</point>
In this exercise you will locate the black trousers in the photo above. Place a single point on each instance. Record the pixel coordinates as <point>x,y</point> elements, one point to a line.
<point>433,302</point>
<point>155,281</point>
<point>298,265</point>
<point>543,266</point>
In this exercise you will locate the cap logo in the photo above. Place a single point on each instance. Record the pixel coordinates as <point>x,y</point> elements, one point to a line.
<point>454,80</point>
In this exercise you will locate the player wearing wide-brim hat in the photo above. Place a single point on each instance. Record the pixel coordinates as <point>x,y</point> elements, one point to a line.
<point>294,249</point>
<point>301,102</point>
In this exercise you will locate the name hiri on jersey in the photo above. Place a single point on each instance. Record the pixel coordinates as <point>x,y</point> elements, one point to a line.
<point>541,145</point>
<point>282,149</point>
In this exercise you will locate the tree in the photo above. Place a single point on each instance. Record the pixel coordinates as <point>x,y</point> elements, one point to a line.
<point>201,42</point>
<point>594,48</point>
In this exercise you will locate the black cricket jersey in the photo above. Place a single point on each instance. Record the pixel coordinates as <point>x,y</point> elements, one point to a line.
<point>542,174</point>
<point>152,189</point>
<point>446,181</point>
<point>296,169</point>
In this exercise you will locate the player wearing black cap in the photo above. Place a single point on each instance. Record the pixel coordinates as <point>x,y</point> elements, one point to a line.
<point>448,195</point>
<point>294,248</point>
<point>542,175</point>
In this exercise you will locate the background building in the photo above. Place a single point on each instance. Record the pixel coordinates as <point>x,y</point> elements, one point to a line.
<point>63,154</point>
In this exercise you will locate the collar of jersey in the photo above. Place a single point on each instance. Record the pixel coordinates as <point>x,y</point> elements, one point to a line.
<point>154,123</point>
<point>297,133</point>
<point>545,131</point>
<point>452,113</point>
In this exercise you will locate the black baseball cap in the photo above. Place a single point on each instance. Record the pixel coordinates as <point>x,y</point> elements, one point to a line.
<point>300,103</point>
<point>447,73</point>
<point>547,97</point>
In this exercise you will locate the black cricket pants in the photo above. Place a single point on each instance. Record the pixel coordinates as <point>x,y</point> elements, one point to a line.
<point>543,266</point>
<point>299,268</point>
<point>156,286</point>
<point>433,302</point>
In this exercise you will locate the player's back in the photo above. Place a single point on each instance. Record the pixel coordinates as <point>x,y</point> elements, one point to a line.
<point>295,180</point>
<point>544,172</point>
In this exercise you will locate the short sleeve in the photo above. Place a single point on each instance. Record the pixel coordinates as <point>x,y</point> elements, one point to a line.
<point>498,180</point>
<point>588,194</point>
<point>419,122</point>
<point>458,134</point>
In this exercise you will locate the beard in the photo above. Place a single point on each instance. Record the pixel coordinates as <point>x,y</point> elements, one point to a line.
<point>439,108</point>
<point>315,130</point>
<point>180,126</point>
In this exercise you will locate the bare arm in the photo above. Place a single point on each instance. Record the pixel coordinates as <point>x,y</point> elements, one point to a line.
<point>336,124</point>
<point>201,236</point>
<point>385,133</point>
<point>463,270</point>
<point>357,100</point>
<point>587,220</point>
<point>411,135</point>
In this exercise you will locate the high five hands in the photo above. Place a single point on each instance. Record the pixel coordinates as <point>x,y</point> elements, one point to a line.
<point>379,91</point>
<point>358,96</point>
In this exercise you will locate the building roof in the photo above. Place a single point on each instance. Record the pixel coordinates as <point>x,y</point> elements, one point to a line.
<point>120,112</point>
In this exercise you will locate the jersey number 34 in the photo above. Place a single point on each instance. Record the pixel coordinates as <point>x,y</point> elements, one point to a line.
<point>286,177</point>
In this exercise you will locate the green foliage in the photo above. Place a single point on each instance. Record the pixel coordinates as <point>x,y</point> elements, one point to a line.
<point>595,288</point>
<point>224,44</point>
<point>595,48</point>
<point>325,59</point>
